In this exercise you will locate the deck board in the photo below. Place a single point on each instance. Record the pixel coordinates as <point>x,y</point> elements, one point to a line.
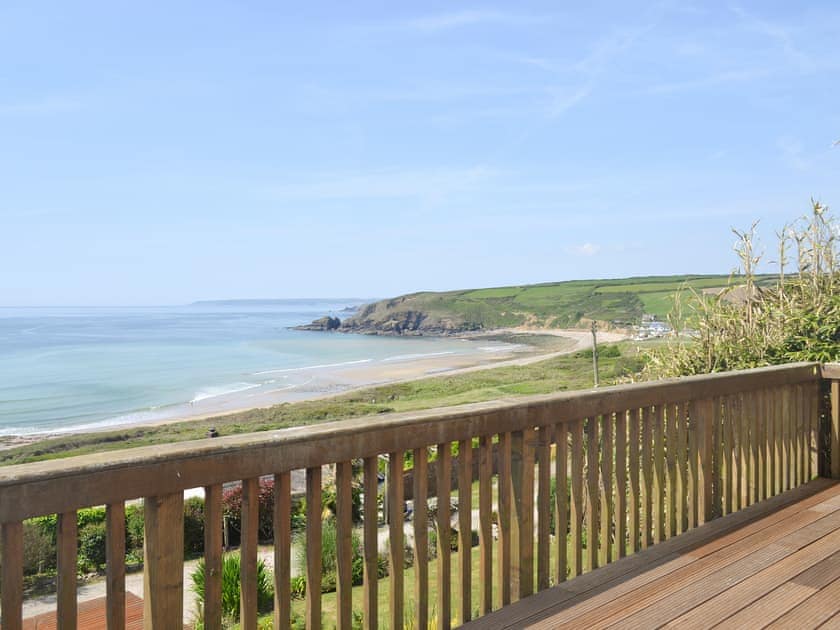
<point>91,615</point>
<point>776,562</point>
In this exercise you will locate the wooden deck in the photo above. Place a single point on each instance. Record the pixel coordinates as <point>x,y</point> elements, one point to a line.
<point>775,564</point>
<point>91,616</point>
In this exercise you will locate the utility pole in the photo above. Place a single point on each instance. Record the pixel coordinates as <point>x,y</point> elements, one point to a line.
<point>595,351</point>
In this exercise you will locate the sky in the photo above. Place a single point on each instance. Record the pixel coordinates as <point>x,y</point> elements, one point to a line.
<point>164,152</point>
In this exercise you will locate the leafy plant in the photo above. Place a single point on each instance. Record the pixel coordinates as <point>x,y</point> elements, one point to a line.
<point>92,546</point>
<point>231,583</point>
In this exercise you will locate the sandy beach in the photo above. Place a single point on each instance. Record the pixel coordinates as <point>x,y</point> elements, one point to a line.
<point>515,346</point>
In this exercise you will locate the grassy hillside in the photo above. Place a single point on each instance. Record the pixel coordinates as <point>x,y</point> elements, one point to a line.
<point>558,305</point>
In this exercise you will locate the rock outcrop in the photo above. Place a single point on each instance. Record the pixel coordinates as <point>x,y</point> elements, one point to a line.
<point>325,323</point>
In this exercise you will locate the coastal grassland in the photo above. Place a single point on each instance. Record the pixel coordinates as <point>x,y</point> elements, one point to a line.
<point>565,372</point>
<point>558,304</point>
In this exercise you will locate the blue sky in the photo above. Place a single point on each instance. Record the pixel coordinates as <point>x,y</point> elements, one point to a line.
<point>159,153</point>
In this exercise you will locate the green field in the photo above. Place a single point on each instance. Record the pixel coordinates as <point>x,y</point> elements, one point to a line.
<point>551,305</point>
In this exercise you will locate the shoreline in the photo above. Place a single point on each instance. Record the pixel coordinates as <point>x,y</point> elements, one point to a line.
<point>333,381</point>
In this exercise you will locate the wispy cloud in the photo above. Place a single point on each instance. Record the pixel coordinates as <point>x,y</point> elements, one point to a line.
<point>40,107</point>
<point>459,19</point>
<point>385,184</point>
<point>792,153</point>
<point>700,83</point>
<point>586,249</point>
<point>778,34</point>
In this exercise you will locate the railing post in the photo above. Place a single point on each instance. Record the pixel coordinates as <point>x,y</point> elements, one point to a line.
<point>163,553</point>
<point>703,413</point>
<point>11,576</point>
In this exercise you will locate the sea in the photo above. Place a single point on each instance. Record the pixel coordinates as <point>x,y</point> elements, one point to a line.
<point>65,369</point>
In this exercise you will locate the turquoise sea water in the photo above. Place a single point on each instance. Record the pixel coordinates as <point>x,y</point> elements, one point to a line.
<point>66,369</point>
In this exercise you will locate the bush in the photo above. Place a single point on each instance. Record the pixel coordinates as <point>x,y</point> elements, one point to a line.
<point>134,529</point>
<point>92,546</point>
<point>231,582</point>
<point>39,550</point>
<point>194,525</point>
<point>232,509</point>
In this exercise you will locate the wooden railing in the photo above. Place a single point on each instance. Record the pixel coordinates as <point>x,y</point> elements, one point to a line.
<point>633,465</point>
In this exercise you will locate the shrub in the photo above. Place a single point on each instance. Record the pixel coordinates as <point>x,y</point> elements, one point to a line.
<point>39,551</point>
<point>231,583</point>
<point>92,546</point>
<point>194,525</point>
<point>134,529</point>
<point>232,509</point>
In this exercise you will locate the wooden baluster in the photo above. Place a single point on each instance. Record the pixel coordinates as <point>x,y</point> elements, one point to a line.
<point>770,439</point>
<point>682,481</point>
<point>692,467</point>
<point>801,437</point>
<point>834,431</point>
<point>752,422</point>
<point>67,535</point>
<point>213,547</point>
<point>778,421</point>
<point>719,458</point>
<point>396,548</point>
<point>371,548</point>
<point>248,553</point>
<point>759,446</point>
<point>522,523</point>
<point>504,493</point>
<point>11,576</point>
<point>561,500</point>
<point>671,438</point>
<point>787,460</point>
<point>703,416</point>
<point>813,397</point>
<point>746,468</point>
<point>647,477</point>
<point>576,499</point>
<point>313,547</point>
<point>420,492</point>
<point>737,468</point>
<point>465,527</point>
<point>657,417</point>
<point>605,548</point>
<point>444,526</point>
<point>163,553</point>
<point>621,483</point>
<point>544,510</point>
<point>344,543</point>
<point>592,483</point>
<point>485,530</point>
<point>282,550</point>
<point>634,464</point>
<point>725,460</point>
<point>115,565</point>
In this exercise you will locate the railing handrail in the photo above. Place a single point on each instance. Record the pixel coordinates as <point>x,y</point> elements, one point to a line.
<point>58,486</point>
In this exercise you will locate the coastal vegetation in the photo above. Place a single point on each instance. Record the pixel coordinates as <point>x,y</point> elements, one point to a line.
<point>551,305</point>
<point>561,373</point>
<point>760,320</point>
